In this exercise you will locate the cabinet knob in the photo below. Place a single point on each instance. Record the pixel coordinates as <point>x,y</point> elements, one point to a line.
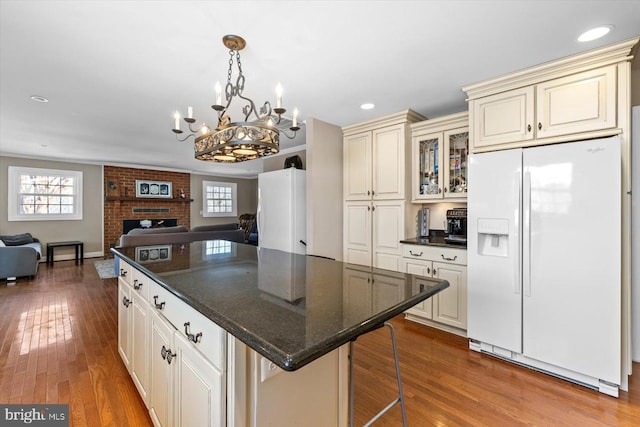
<point>439,190</point>
<point>428,272</point>
<point>373,193</point>
<point>539,125</point>
<point>368,193</point>
<point>373,208</point>
<point>529,127</point>
<point>126,301</point>
<point>434,271</point>
<point>368,208</point>
<point>170,356</point>
<point>445,189</point>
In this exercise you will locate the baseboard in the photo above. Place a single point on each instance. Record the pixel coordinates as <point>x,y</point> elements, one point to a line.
<point>72,256</point>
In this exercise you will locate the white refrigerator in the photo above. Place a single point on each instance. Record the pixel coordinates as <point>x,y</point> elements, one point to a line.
<point>281,214</point>
<point>544,258</point>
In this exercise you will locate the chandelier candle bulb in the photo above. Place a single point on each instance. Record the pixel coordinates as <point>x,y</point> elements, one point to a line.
<point>295,117</point>
<point>190,112</point>
<point>218,94</point>
<point>279,96</point>
<point>176,116</point>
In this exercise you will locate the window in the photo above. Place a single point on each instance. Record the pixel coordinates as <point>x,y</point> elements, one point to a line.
<point>44,194</point>
<point>219,199</point>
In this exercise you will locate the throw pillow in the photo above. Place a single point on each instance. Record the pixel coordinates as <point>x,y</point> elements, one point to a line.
<point>17,240</point>
<point>2,245</point>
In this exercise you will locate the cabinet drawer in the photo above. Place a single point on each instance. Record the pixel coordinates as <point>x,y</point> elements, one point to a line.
<point>125,272</point>
<point>212,341</point>
<point>435,253</point>
<point>140,283</point>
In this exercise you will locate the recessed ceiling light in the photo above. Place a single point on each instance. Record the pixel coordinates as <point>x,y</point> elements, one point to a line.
<point>39,98</point>
<point>368,106</point>
<point>595,33</point>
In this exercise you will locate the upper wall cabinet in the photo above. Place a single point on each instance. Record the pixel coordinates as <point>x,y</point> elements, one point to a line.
<point>439,149</point>
<point>566,100</point>
<point>375,156</point>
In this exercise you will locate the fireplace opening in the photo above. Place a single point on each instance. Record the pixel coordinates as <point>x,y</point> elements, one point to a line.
<point>130,224</point>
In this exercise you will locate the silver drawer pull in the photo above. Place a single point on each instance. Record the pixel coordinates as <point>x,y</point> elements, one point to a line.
<point>449,259</point>
<point>411,252</point>
<point>193,338</point>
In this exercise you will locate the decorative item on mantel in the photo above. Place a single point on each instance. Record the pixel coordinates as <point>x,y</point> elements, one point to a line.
<point>238,141</point>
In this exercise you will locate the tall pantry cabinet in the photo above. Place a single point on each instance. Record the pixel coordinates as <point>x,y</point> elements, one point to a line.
<point>377,165</point>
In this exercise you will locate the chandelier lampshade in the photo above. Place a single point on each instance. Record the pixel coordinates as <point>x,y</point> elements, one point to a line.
<point>256,136</point>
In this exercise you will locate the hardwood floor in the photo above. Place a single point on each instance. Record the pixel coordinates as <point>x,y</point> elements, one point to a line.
<point>59,345</point>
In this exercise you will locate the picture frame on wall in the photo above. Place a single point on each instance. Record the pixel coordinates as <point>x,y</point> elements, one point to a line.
<point>148,254</point>
<point>156,189</point>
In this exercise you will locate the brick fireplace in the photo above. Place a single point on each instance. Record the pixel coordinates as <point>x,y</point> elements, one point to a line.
<point>122,204</point>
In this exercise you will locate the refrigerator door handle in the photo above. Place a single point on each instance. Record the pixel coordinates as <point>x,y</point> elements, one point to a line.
<point>526,235</point>
<point>517,187</point>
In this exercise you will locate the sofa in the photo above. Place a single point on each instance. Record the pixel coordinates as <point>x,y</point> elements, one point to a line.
<point>181,234</point>
<point>19,256</point>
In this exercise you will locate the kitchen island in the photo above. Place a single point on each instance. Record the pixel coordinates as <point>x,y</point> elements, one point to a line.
<point>233,318</point>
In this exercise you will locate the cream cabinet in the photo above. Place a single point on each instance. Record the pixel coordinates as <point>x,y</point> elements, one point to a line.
<point>439,150</point>
<point>575,106</point>
<point>376,162</point>
<point>448,309</point>
<point>133,335</point>
<point>372,233</point>
<point>176,357</point>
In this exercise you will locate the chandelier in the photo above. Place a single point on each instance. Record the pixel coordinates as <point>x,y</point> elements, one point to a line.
<point>256,136</point>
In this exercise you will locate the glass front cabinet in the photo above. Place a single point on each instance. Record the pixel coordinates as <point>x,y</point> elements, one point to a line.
<point>439,155</point>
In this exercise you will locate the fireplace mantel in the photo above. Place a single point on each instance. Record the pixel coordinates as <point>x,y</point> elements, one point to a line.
<point>146,199</point>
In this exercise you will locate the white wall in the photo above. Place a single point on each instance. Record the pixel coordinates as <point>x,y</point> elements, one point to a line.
<point>635,236</point>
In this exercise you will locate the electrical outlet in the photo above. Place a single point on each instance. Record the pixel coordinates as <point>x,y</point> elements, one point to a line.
<point>268,369</point>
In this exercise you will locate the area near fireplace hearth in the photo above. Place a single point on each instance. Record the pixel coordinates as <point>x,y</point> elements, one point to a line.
<point>121,203</point>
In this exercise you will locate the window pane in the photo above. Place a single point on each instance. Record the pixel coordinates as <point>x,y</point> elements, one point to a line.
<point>41,209</point>
<point>54,209</point>
<point>66,209</point>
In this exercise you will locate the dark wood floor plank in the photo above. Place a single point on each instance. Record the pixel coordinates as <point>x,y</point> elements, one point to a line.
<point>58,344</point>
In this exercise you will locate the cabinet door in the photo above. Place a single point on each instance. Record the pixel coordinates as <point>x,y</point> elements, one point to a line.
<point>357,233</point>
<point>388,230</point>
<point>502,118</point>
<point>199,391</point>
<point>357,295</point>
<point>124,322</point>
<point>420,268</point>
<point>387,291</point>
<point>140,344</point>
<point>357,167</point>
<point>427,161</point>
<point>455,162</point>
<point>450,305</point>
<point>162,363</point>
<point>579,103</point>
<point>388,146</point>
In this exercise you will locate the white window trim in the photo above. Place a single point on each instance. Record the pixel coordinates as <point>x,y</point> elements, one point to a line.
<point>234,199</point>
<point>13,191</point>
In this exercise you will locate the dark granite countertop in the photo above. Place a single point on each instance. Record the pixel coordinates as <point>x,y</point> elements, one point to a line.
<point>436,238</point>
<point>292,309</point>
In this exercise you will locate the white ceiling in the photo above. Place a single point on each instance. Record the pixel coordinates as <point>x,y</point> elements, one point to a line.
<point>115,71</point>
